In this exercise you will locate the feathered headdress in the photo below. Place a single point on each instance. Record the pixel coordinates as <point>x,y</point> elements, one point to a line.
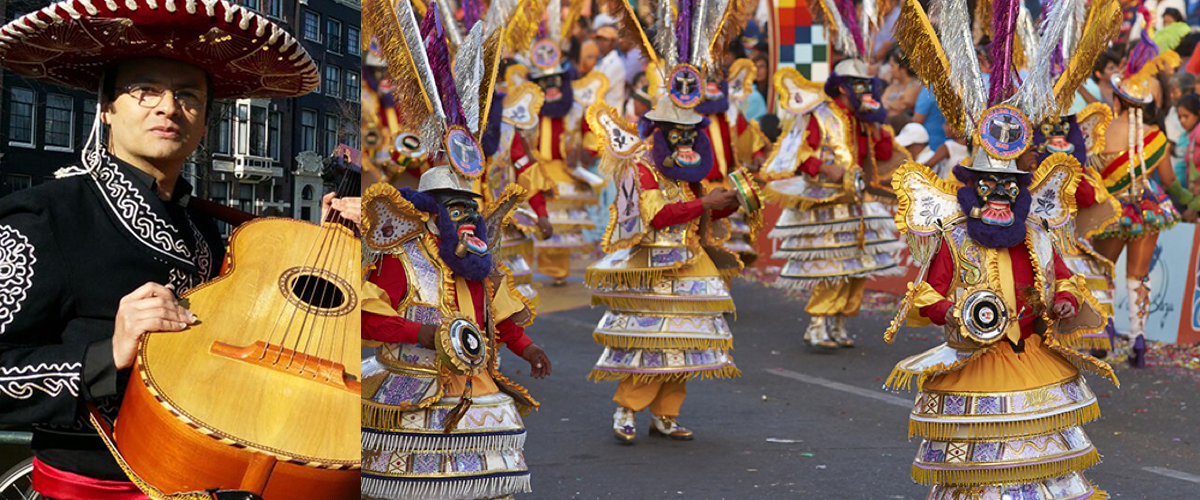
<point>997,117</point>
<point>444,102</point>
<point>1145,60</point>
<point>944,58</point>
<point>543,37</point>
<point>689,38</point>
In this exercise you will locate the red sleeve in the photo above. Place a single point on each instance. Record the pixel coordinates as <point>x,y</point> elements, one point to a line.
<point>674,213</point>
<point>513,335</point>
<point>883,148</point>
<point>812,164</point>
<point>1085,195</point>
<point>941,275</point>
<point>538,203</point>
<point>516,153</point>
<point>723,213</point>
<point>1062,272</point>
<point>390,276</point>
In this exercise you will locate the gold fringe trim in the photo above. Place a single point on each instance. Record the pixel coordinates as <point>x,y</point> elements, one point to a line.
<point>732,272</point>
<point>1080,343</point>
<point>1083,361</point>
<point>515,250</point>
<point>664,305</point>
<point>905,201</point>
<point>928,60</point>
<point>1009,475</point>
<point>558,250</point>
<point>630,279</point>
<point>901,379</point>
<point>945,431</point>
<point>646,378</point>
<point>661,341</point>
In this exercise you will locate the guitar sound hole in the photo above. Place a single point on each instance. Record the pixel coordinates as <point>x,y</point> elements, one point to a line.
<point>318,292</point>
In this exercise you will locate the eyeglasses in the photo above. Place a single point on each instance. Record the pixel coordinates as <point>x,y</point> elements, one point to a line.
<point>150,95</point>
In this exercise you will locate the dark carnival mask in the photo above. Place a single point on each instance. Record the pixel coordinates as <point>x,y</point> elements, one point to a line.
<point>559,94</point>
<point>682,152</point>
<point>997,194</point>
<point>462,236</point>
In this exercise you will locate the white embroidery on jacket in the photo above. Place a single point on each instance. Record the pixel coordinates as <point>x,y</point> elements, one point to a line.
<point>16,272</point>
<point>52,379</point>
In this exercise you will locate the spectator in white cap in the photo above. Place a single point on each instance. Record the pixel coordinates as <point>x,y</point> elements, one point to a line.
<point>915,139</point>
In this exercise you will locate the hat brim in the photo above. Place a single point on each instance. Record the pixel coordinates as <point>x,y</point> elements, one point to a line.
<point>71,43</point>
<point>689,118</point>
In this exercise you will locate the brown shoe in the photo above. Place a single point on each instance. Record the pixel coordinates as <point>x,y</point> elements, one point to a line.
<point>667,427</point>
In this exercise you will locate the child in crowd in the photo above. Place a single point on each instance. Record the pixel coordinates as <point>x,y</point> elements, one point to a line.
<point>1186,168</point>
<point>1179,84</point>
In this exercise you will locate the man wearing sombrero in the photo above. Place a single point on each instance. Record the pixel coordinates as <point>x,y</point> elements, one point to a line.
<point>93,260</point>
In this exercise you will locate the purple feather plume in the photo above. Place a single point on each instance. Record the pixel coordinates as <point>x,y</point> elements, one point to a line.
<point>1144,51</point>
<point>846,10</point>
<point>1004,27</point>
<point>683,30</point>
<point>473,11</point>
<point>439,62</point>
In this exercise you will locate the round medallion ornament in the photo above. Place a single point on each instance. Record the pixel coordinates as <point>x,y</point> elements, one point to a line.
<point>464,152</point>
<point>860,185</point>
<point>463,347</point>
<point>687,87</point>
<point>545,54</point>
<point>984,316</point>
<point>1004,132</point>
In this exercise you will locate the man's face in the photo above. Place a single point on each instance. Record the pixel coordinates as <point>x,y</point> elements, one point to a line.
<point>588,54</point>
<point>606,45</point>
<point>997,192</point>
<point>1109,70</point>
<point>158,114</point>
<point>761,74</point>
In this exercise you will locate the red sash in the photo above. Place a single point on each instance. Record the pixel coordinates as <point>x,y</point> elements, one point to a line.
<point>64,485</point>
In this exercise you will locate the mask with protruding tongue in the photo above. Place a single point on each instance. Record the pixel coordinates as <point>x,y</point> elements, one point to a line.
<point>997,192</point>
<point>468,242</point>
<point>682,138</point>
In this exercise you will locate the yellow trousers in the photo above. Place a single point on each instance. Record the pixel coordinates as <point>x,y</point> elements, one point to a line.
<point>554,265</point>
<point>843,298</point>
<point>663,398</point>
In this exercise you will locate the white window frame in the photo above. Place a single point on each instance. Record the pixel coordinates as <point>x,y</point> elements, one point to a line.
<point>337,47</point>
<point>33,119</point>
<point>332,89</point>
<point>304,28</point>
<point>352,95</point>
<point>70,147</point>
<point>354,49</point>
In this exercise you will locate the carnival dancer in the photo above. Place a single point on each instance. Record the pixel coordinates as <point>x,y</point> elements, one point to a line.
<point>390,153</point>
<point>737,143</point>
<point>834,233</point>
<point>439,420</point>
<point>664,275</point>
<point>1069,140</point>
<point>564,147</point>
<point>1133,150</point>
<point>513,124</point>
<point>123,217</point>
<point>1001,403</point>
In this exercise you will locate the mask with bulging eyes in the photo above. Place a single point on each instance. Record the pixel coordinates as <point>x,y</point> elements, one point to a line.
<point>864,90</point>
<point>681,139</point>
<point>997,193</point>
<point>464,218</point>
<point>1055,130</point>
<point>551,87</point>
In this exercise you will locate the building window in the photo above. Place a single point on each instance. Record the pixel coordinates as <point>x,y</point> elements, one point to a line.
<point>89,117</point>
<point>254,5</point>
<point>246,197</point>
<point>21,116</point>
<point>60,120</point>
<point>333,35</point>
<point>243,129</point>
<point>349,135</point>
<point>331,134</point>
<point>305,210</point>
<point>273,134</point>
<point>14,183</point>
<point>308,130</point>
<point>312,26</point>
<point>352,42</point>
<point>333,81</point>
<point>258,131</point>
<point>352,88</point>
<point>222,129</point>
<point>275,9</point>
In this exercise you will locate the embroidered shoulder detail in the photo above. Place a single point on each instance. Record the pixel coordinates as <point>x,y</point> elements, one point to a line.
<point>52,379</point>
<point>135,213</point>
<point>16,272</point>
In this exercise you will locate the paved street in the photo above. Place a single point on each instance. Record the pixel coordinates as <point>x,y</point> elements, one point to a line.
<point>800,424</point>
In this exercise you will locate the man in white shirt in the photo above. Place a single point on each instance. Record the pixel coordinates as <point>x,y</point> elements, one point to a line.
<point>611,65</point>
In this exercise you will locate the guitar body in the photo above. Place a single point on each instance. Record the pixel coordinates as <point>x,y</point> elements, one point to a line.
<point>263,393</point>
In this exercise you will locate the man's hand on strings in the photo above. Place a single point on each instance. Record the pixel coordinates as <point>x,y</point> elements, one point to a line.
<point>349,208</point>
<point>150,308</point>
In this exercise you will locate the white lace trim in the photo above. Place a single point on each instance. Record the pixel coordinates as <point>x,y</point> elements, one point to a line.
<point>135,214</point>
<point>52,379</point>
<point>16,272</point>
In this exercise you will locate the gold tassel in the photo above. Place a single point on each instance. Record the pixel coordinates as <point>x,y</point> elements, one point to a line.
<point>1018,474</point>
<point>941,431</point>
<point>632,279</point>
<point>664,305</point>
<point>646,378</point>
<point>459,411</point>
<point>658,342</point>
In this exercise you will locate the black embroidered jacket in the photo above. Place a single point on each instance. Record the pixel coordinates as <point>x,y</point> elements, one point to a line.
<point>69,250</point>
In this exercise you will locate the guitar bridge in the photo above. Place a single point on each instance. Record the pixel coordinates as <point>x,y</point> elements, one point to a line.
<point>289,361</point>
